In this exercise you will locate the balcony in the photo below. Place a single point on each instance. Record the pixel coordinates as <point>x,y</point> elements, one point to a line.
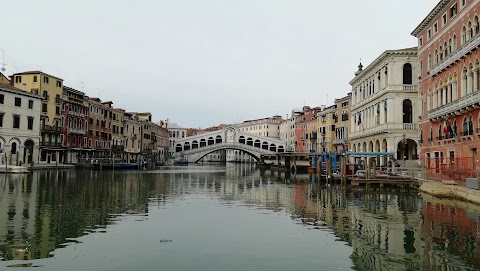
<point>339,141</point>
<point>77,114</point>
<point>51,144</point>
<point>76,131</point>
<point>458,106</point>
<point>58,100</point>
<point>387,89</point>
<point>48,129</point>
<point>409,126</point>
<point>46,97</point>
<point>463,50</point>
<point>323,144</point>
<point>382,129</point>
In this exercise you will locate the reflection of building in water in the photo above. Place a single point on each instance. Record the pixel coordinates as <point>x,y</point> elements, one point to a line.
<point>386,231</point>
<point>452,230</point>
<point>38,212</point>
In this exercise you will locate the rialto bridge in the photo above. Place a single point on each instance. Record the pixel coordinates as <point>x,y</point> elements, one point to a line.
<point>194,148</point>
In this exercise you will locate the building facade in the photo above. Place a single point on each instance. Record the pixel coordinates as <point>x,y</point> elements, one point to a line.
<point>75,111</point>
<point>132,128</point>
<point>99,128</point>
<point>19,126</point>
<point>326,120</point>
<point>342,124</point>
<point>448,40</point>
<point>51,89</point>
<point>384,106</point>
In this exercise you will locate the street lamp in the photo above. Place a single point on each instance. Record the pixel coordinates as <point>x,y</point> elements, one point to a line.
<point>3,60</point>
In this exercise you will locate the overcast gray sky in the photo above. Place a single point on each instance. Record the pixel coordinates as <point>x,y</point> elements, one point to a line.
<point>206,62</point>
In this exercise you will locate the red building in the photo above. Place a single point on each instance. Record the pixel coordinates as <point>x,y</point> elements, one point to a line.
<point>74,123</point>
<point>301,136</point>
<point>448,40</point>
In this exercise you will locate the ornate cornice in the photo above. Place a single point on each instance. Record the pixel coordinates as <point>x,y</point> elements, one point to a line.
<point>430,17</point>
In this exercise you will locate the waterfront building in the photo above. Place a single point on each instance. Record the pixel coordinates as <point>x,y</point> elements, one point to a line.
<point>342,124</point>
<point>448,40</point>
<point>75,111</point>
<point>384,106</point>
<point>19,125</point>
<point>117,144</point>
<point>175,132</point>
<point>131,130</point>
<point>162,140</point>
<point>287,130</point>
<point>269,127</point>
<point>51,89</point>
<point>301,137</point>
<point>326,130</point>
<point>311,131</point>
<point>99,130</point>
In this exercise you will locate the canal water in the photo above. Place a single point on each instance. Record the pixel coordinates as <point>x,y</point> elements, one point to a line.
<point>233,217</point>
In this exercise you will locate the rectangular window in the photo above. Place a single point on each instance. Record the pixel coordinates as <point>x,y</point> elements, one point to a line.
<point>453,11</point>
<point>45,79</point>
<point>18,79</point>
<point>435,28</point>
<point>30,104</point>
<point>444,19</point>
<point>44,108</point>
<point>463,3</point>
<point>2,98</point>
<point>30,123</point>
<point>34,78</point>
<point>429,33</point>
<point>18,101</point>
<point>1,119</point>
<point>16,121</point>
<point>57,110</point>
<point>59,83</point>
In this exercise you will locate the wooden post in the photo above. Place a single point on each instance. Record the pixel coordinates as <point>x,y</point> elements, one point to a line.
<point>6,163</point>
<point>113,161</point>
<point>56,159</point>
<point>26,157</point>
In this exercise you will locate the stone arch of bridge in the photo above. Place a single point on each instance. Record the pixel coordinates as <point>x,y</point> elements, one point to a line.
<point>255,156</point>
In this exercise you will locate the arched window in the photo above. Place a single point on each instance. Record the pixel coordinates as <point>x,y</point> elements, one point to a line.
<point>407,111</point>
<point>431,135</point>
<point>465,126</point>
<point>407,74</point>
<point>440,132</point>
<point>14,148</point>
<point>464,35</point>
<point>470,126</point>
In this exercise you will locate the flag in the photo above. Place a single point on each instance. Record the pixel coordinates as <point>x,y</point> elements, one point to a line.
<point>359,119</point>
<point>445,128</point>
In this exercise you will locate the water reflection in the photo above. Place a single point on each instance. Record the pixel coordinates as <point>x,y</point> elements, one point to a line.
<point>387,230</point>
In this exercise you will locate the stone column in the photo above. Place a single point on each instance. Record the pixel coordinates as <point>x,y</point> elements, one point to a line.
<point>475,79</point>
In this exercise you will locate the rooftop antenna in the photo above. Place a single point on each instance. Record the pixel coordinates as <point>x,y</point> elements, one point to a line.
<point>3,60</point>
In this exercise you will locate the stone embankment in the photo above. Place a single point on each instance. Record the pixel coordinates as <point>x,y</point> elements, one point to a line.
<point>449,190</point>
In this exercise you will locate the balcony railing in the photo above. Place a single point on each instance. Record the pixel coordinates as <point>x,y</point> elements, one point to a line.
<point>389,88</point>
<point>339,141</point>
<point>50,144</point>
<point>50,129</point>
<point>78,114</point>
<point>457,105</point>
<point>76,131</point>
<point>381,129</point>
<point>466,48</point>
<point>58,100</point>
